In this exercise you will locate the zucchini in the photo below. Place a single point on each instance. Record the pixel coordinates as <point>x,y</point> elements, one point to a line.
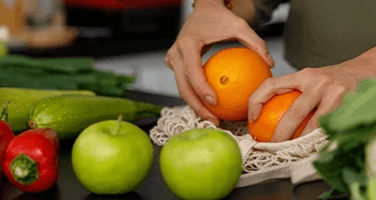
<point>69,73</point>
<point>68,115</point>
<point>21,99</point>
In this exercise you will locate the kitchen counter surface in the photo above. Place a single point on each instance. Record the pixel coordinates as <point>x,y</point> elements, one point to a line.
<point>153,188</point>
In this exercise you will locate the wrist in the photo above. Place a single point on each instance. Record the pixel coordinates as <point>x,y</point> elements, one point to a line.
<point>216,2</point>
<point>362,66</point>
<point>245,9</point>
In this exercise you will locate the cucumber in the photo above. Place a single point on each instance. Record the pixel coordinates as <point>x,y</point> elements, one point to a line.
<point>68,115</point>
<point>21,99</point>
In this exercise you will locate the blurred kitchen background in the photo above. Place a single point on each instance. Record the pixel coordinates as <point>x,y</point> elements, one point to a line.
<point>124,36</point>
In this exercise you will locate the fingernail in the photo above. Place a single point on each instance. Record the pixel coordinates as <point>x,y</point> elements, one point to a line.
<point>210,100</point>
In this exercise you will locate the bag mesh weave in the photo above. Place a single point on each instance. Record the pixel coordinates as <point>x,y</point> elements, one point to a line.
<point>259,159</point>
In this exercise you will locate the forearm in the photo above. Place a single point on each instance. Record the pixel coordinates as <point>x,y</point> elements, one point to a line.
<point>207,2</point>
<point>255,12</point>
<point>362,66</point>
<point>244,9</point>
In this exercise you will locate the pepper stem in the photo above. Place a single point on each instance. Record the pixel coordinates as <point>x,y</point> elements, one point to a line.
<point>20,172</point>
<point>24,169</point>
<point>33,124</point>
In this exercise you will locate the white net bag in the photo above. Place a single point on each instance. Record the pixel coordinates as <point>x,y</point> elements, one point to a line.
<point>261,161</point>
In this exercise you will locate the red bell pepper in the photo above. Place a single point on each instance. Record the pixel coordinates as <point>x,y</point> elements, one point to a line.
<point>6,135</point>
<point>31,160</point>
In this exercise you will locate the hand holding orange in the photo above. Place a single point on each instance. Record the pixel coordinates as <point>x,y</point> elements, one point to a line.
<point>234,74</point>
<point>263,128</point>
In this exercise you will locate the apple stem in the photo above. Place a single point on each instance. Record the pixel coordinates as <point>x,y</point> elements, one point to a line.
<point>118,125</point>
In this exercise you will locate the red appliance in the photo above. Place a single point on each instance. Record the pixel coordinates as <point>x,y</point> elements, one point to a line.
<point>123,4</point>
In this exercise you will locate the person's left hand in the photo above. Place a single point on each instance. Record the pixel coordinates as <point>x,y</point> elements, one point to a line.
<point>322,88</point>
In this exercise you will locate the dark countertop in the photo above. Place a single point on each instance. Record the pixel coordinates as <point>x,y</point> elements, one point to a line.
<point>153,188</point>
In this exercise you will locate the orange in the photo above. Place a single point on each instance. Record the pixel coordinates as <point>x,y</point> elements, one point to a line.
<point>263,128</point>
<point>234,74</point>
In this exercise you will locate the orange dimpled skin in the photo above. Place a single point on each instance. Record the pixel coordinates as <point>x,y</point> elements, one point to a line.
<point>263,128</point>
<point>234,74</point>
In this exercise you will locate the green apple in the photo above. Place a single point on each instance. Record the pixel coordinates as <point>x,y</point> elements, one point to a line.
<point>201,164</point>
<point>112,157</point>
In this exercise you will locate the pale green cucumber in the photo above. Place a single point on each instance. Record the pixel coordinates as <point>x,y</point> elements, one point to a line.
<point>68,115</point>
<point>21,99</point>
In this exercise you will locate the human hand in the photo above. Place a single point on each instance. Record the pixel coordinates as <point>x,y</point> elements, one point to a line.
<point>322,88</point>
<point>210,22</point>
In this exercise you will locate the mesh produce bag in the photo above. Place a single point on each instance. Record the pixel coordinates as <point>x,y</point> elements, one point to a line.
<point>262,162</point>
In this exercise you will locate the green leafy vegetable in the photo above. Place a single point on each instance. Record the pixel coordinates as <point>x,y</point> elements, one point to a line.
<point>349,128</point>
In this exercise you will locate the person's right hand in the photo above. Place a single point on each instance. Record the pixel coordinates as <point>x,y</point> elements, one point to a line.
<point>210,22</point>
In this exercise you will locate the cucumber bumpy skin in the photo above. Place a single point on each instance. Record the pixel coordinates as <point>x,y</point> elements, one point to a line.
<point>21,100</point>
<point>68,115</point>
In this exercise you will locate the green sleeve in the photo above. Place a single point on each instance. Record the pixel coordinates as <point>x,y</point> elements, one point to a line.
<point>264,10</point>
